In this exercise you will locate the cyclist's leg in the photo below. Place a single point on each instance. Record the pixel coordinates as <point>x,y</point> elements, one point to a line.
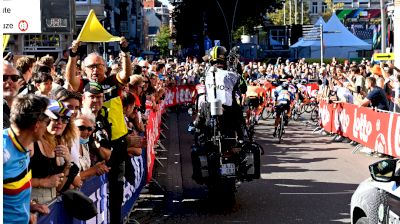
<point>277,118</point>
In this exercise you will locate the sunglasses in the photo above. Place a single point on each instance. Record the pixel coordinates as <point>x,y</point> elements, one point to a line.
<point>93,66</point>
<point>13,78</point>
<point>64,120</point>
<point>83,128</point>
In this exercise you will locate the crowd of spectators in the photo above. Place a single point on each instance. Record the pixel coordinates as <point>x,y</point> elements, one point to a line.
<point>85,136</point>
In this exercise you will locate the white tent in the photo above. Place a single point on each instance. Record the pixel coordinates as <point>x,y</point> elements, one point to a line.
<point>338,42</point>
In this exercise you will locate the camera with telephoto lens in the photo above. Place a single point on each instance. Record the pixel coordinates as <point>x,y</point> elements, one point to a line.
<point>100,135</point>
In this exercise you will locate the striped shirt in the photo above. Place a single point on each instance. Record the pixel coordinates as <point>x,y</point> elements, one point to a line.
<point>16,180</point>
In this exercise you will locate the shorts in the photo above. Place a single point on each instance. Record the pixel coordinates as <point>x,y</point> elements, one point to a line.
<point>282,107</point>
<point>253,102</point>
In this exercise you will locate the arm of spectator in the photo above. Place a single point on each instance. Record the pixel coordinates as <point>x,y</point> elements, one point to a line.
<point>137,124</point>
<point>41,208</point>
<point>104,153</point>
<point>134,151</point>
<point>362,102</point>
<point>123,75</point>
<point>98,169</point>
<point>48,182</point>
<point>70,71</point>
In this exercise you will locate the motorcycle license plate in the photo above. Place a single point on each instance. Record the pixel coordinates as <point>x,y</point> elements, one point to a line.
<point>228,169</point>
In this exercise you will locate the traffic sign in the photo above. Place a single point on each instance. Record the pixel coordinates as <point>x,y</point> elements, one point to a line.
<point>20,17</point>
<point>384,56</point>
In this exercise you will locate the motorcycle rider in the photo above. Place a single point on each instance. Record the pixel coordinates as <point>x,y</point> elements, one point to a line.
<point>283,100</point>
<point>226,89</point>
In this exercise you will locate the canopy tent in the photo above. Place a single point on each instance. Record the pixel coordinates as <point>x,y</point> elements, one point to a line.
<point>338,41</point>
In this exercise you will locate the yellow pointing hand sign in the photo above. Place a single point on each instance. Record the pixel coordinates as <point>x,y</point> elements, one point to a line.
<point>93,31</point>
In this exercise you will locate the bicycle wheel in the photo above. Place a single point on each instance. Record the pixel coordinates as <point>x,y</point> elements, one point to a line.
<point>295,114</point>
<point>266,113</point>
<point>309,107</point>
<point>315,114</point>
<point>281,127</point>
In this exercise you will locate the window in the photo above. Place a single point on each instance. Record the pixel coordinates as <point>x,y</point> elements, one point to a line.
<point>314,8</point>
<point>81,1</point>
<point>324,6</point>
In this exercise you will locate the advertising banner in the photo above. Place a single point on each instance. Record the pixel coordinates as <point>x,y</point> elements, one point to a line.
<point>379,131</point>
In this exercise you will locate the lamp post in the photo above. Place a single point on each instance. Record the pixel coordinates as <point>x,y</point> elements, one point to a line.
<point>284,12</point>
<point>230,31</point>
<point>290,12</point>
<point>302,12</point>
<point>383,27</point>
<point>295,11</point>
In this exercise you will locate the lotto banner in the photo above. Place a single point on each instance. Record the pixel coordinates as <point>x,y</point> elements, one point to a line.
<point>376,130</point>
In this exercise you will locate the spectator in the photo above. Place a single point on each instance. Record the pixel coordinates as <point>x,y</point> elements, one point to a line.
<point>376,71</point>
<point>111,60</point>
<point>51,158</point>
<point>343,94</point>
<point>92,102</point>
<point>43,82</point>
<point>86,124</point>
<point>395,99</point>
<point>24,65</point>
<point>62,61</point>
<point>72,100</point>
<point>28,118</point>
<point>10,90</point>
<point>376,96</point>
<point>135,87</point>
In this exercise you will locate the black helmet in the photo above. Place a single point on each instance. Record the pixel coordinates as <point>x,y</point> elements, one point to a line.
<point>303,81</point>
<point>218,54</point>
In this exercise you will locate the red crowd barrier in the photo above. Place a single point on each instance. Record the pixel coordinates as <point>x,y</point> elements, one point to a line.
<point>379,131</point>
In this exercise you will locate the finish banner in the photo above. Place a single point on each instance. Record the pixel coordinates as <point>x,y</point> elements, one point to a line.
<point>379,131</point>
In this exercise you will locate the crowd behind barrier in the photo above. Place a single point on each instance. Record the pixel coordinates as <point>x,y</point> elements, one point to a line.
<point>379,131</point>
<point>96,187</point>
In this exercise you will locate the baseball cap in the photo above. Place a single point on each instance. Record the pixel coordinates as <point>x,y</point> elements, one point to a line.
<point>57,109</point>
<point>93,87</point>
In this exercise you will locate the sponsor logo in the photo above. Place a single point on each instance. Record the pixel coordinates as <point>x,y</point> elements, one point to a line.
<point>362,128</point>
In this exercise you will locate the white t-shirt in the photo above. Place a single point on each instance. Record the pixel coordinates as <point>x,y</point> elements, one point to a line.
<point>344,93</point>
<point>225,81</point>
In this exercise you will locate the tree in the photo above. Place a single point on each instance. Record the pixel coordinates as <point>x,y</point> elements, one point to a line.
<point>217,19</point>
<point>331,8</point>
<point>162,40</point>
<point>276,17</point>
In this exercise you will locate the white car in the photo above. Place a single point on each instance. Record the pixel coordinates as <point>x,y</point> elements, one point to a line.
<point>377,199</point>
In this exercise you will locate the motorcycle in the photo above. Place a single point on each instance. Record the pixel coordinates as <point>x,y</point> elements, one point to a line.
<point>221,162</point>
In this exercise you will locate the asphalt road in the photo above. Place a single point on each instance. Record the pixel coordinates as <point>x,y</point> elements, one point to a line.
<point>306,179</point>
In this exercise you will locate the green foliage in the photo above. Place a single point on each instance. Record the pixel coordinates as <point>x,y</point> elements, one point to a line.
<point>221,18</point>
<point>162,39</point>
<point>330,8</point>
<point>276,17</point>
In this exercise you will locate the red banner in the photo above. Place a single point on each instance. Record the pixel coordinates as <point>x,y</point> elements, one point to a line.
<point>378,131</point>
<point>179,95</point>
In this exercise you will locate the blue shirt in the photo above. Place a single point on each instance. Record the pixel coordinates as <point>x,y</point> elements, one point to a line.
<point>16,180</point>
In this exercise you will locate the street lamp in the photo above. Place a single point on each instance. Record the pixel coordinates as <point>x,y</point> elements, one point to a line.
<point>230,31</point>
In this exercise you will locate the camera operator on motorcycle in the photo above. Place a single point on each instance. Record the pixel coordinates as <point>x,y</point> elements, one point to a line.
<point>283,100</point>
<point>223,85</point>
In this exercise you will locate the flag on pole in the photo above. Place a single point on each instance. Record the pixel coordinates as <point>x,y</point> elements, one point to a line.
<point>6,37</point>
<point>93,31</point>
